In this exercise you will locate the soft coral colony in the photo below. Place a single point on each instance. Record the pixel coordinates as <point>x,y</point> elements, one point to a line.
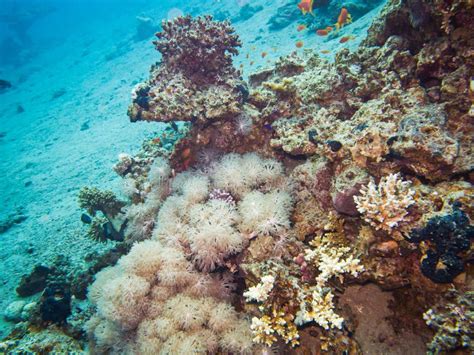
<point>246,238</point>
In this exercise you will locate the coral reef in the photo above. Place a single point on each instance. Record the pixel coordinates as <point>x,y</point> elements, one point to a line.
<point>162,291</point>
<point>108,225</point>
<point>253,225</point>
<point>195,80</point>
<point>297,292</point>
<point>453,322</point>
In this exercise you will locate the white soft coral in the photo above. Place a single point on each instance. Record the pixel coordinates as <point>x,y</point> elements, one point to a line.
<point>265,214</point>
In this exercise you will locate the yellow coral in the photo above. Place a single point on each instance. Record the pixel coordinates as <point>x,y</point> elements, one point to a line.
<point>280,323</point>
<point>284,86</point>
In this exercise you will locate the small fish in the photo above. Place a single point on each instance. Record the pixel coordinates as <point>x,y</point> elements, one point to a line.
<point>343,19</point>
<point>252,62</point>
<point>306,6</point>
<point>247,56</point>
<point>329,28</point>
<point>345,39</point>
<point>325,51</point>
<point>253,48</point>
<point>300,28</point>
<point>322,32</point>
<point>264,54</point>
<point>299,44</point>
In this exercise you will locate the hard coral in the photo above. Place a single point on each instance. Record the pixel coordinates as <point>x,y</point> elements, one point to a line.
<point>195,80</point>
<point>453,323</point>
<point>385,206</point>
<point>92,199</point>
<point>197,47</point>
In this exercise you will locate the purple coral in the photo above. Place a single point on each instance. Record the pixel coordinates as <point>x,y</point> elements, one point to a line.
<point>197,47</point>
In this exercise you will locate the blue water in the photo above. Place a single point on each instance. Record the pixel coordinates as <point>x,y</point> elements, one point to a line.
<point>72,65</point>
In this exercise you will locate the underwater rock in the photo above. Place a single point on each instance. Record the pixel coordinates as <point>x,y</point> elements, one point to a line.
<point>4,85</point>
<point>13,312</point>
<point>34,282</point>
<point>424,145</point>
<point>55,303</point>
<point>285,15</point>
<point>371,316</point>
<point>12,220</point>
<point>344,201</point>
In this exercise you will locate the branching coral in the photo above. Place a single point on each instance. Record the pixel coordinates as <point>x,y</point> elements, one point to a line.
<point>93,200</point>
<point>104,226</point>
<point>266,328</point>
<point>288,302</point>
<point>331,260</point>
<point>385,205</point>
<point>260,292</point>
<point>318,306</point>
